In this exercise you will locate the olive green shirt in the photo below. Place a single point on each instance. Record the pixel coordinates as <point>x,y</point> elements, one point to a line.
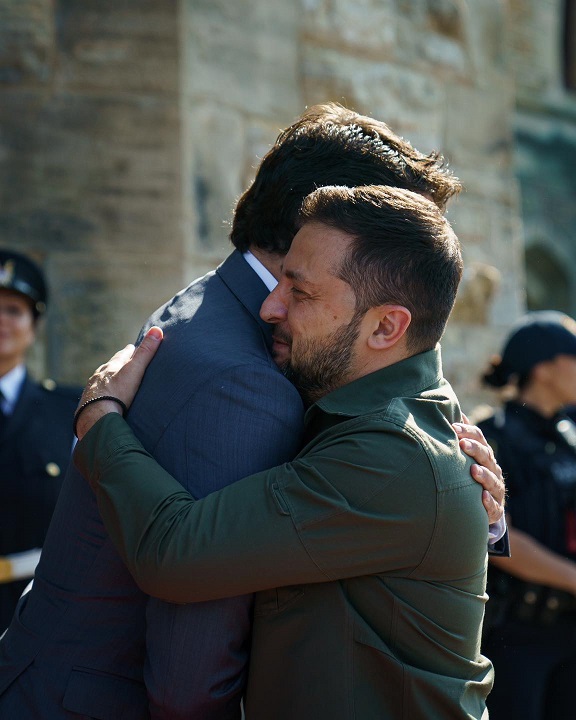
<point>367,552</point>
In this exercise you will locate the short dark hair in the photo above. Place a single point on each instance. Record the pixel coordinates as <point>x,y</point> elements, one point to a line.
<point>330,145</point>
<point>403,252</point>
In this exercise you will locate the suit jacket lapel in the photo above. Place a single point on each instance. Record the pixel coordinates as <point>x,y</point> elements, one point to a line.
<point>247,287</point>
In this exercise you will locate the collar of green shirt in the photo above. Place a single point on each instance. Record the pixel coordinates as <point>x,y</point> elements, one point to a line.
<point>373,392</point>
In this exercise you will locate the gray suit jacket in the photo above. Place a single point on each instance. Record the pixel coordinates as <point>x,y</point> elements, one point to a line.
<point>85,641</point>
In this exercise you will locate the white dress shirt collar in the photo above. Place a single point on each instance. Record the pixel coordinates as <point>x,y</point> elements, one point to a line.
<point>10,385</point>
<point>263,273</point>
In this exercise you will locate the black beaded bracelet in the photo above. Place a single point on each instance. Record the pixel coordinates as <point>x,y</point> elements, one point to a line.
<point>93,400</point>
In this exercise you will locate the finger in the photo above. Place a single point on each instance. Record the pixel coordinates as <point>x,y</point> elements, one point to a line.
<point>490,482</point>
<point>483,454</point>
<point>473,432</point>
<point>149,345</point>
<point>466,419</point>
<point>494,510</point>
<point>143,354</point>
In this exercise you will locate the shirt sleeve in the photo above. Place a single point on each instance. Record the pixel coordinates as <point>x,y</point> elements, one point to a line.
<point>498,539</point>
<point>280,527</point>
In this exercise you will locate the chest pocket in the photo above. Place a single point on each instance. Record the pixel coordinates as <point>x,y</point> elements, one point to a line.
<point>270,602</point>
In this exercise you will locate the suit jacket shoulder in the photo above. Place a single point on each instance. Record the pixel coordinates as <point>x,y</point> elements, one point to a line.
<point>212,331</point>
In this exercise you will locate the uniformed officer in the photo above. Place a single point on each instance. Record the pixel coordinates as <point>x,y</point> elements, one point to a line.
<point>530,626</point>
<point>35,431</point>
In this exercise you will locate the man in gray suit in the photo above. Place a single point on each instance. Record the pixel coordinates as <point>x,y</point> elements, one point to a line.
<point>85,641</point>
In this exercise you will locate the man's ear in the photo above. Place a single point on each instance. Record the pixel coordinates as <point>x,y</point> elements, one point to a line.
<point>390,323</point>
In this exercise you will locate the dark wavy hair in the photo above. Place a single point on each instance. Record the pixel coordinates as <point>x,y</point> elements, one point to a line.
<point>330,145</point>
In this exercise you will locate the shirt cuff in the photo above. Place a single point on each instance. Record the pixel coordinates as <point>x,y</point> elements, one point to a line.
<point>497,530</point>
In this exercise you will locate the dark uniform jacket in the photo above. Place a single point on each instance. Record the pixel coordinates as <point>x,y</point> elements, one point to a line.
<point>35,448</point>
<point>368,552</point>
<point>538,457</point>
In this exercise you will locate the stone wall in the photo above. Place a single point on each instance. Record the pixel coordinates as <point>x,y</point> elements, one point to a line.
<point>545,127</point>
<point>90,165</point>
<point>130,128</point>
<point>240,86</point>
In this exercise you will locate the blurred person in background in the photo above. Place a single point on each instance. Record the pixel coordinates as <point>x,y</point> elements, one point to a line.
<point>530,627</point>
<point>35,431</point>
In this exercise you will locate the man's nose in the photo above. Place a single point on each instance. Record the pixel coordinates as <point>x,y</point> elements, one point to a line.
<point>273,309</point>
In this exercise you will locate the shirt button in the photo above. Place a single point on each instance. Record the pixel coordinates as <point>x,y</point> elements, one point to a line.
<point>53,469</point>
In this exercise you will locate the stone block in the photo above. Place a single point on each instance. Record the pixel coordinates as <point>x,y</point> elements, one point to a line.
<point>364,27</point>
<point>115,46</point>
<point>214,175</point>
<point>99,303</point>
<point>535,34</point>
<point>479,131</point>
<point>91,169</point>
<point>26,42</point>
<point>488,25</point>
<point>242,54</point>
<point>406,100</point>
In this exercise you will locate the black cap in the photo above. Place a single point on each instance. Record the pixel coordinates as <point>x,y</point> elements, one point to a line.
<point>19,273</point>
<point>535,338</point>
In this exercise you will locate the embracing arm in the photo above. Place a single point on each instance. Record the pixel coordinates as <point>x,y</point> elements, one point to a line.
<point>281,527</point>
<point>238,540</point>
<point>206,525</point>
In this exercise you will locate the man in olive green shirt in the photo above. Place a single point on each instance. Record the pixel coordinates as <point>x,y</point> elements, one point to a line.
<point>368,551</point>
